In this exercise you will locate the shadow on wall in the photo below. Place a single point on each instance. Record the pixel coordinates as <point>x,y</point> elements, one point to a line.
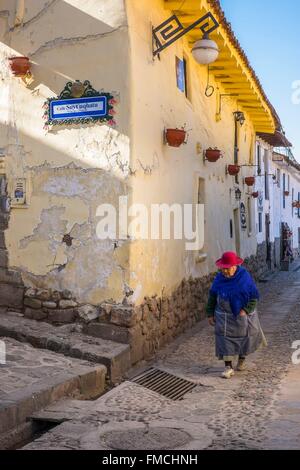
<point>70,170</point>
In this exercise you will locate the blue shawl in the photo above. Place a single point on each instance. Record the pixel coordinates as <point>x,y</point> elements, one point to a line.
<point>238,289</point>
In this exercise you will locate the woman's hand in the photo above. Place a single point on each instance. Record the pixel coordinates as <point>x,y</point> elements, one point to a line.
<point>243,313</point>
<point>211,321</point>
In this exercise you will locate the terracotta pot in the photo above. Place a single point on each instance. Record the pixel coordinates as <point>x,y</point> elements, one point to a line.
<point>212,155</point>
<point>175,137</point>
<point>250,180</point>
<point>296,204</point>
<point>20,66</point>
<point>255,194</point>
<point>233,170</point>
<point>286,193</point>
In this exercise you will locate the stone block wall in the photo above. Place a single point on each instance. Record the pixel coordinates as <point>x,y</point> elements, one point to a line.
<point>56,307</point>
<point>257,264</point>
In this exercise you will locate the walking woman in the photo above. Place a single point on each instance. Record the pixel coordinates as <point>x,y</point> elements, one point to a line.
<point>232,310</point>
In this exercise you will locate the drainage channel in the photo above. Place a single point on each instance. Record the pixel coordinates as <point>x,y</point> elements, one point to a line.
<point>35,428</point>
<point>164,383</point>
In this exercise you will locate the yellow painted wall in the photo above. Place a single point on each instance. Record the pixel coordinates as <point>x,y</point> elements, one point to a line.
<point>71,170</point>
<point>157,104</point>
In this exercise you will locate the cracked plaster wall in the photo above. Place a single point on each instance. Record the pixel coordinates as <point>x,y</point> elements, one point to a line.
<point>160,265</point>
<point>70,170</point>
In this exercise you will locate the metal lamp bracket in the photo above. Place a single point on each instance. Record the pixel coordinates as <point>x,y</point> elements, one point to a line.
<point>172,29</point>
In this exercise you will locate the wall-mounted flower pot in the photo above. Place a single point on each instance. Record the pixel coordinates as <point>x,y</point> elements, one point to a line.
<point>250,180</point>
<point>175,137</point>
<point>296,204</point>
<point>20,66</point>
<point>233,170</point>
<point>286,193</point>
<point>212,155</point>
<point>255,194</point>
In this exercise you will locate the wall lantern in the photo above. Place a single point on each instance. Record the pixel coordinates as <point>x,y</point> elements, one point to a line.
<point>238,194</point>
<point>205,51</point>
<point>239,117</point>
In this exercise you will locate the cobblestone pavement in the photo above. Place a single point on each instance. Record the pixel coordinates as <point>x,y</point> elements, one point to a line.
<point>257,409</point>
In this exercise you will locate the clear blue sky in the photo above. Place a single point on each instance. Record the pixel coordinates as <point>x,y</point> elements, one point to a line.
<point>273,51</point>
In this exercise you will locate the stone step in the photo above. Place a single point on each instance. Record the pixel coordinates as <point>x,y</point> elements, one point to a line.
<point>30,382</point>
<point>10,277</point>
<point>11,295</point>
<point>2,239</point>
<point>70,341</point>
<point>108,331</point>
<point>3,257</point>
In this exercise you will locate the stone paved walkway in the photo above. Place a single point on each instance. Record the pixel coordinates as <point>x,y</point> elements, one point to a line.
<point>259,408</point>
<point>31,379</point>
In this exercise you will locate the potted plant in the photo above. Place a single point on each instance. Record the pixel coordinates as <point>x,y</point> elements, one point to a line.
<point>255,194</point>
<point>20,66</point>
<point>296,204</point>
<point>286,193</point>
<point>212,155</point>
<point>175,137</point>
<point>233,170</point>
<point>250,180</point>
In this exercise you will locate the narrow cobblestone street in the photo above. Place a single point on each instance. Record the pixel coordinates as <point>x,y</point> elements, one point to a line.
<point>257,409</point>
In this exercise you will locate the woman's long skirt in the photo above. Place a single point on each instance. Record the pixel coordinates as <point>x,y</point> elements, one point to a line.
<point>236,336</point>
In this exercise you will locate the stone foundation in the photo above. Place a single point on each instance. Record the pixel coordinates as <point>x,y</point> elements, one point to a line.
<point>56,307</point>
<point>257,264</point>
<point>146,327</point>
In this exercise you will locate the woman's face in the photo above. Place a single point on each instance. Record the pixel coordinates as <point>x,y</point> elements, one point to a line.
<point>229,272</point>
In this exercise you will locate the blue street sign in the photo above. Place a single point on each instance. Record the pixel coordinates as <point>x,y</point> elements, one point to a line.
<point>93,107</point>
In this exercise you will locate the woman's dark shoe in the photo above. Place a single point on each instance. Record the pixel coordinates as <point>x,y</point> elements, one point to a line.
<point>241,365</point>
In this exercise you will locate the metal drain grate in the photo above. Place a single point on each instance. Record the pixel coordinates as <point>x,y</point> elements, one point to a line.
<point>164,383</point>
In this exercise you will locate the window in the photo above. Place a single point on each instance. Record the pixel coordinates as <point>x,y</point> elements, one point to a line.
<point>182,76</point>
<point>260,222</point>
<point>299,209</point>
<point>293,210</point>
<point>266,165</point>
<point>186,83</point>
<point>231,228</point>
<point>288,182</point>
<point>283,189</point>
<point>249,210</point>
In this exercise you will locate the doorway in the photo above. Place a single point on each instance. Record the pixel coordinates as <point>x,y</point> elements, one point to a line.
<point>236,215</point>
<point>268,242</point>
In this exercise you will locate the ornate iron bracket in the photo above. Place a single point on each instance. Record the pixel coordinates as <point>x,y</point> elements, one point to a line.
<point>172,29</point>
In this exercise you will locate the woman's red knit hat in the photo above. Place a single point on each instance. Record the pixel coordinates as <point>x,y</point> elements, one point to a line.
<point>228,260</point>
